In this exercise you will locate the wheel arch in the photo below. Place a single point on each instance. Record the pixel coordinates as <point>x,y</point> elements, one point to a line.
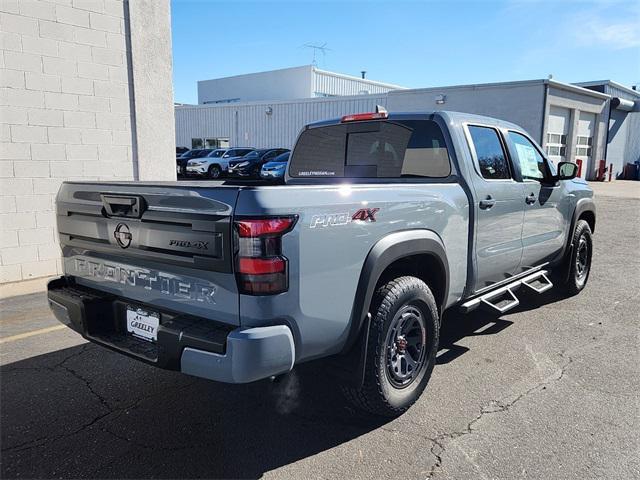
<point>585,209</point>
<point>420,253</point>
<point>590,217</point>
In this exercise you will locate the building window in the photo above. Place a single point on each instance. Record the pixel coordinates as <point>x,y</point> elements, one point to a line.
<point>556,144</point>
<point>583,145</point>
<point>556,138</point>
<point>225,100</point>
<point>196,143</point>
<point>216,143</point>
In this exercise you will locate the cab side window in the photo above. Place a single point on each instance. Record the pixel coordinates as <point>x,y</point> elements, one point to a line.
<point>532,163</point>
<point>489,152</point>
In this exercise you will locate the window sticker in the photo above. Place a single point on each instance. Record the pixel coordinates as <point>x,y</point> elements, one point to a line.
<point>528,160</point>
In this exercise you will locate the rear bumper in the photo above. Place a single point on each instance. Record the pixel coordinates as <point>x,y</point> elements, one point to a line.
<point>194,346</point>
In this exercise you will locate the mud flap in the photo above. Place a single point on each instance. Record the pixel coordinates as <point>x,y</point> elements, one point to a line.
<point>349,367</point>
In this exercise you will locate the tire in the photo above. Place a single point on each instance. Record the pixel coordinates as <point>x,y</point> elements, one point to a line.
<point>215,172</point>
<point>579,266</point>
<point>391,387</point>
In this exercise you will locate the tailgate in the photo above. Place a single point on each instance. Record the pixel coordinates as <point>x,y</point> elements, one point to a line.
<point>165,245</point>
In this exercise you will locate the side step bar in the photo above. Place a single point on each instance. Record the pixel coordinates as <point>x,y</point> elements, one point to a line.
<point>503,298</point>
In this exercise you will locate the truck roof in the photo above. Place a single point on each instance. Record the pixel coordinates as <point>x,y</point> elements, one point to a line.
<point>446,115</point>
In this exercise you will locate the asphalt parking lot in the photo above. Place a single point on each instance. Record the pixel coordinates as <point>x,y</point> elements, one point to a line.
<point>547,391</point>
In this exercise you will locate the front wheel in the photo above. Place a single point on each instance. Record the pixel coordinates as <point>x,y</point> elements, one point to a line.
<point>580,259</point>
<point>403,342</point>
<point>214,171</point>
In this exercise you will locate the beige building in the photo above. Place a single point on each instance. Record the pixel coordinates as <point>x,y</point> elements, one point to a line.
<point>86,94</point>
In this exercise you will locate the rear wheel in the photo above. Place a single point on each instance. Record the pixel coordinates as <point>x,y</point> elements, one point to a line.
<point>580,259</point>
<point>403,342</point>
<point>215,171</point>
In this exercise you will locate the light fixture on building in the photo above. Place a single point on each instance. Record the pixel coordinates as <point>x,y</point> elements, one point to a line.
<point>440,99</point>
<point>268,110</point>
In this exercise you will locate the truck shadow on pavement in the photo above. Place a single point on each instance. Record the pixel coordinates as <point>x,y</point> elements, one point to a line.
<point>88,412</point>
<point>456,326</point>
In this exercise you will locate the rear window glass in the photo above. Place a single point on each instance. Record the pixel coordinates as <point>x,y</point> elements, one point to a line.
<point>489,152</point>
<point>409,148</point>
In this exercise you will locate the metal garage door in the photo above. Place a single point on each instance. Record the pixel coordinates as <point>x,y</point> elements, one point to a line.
<point>584,140</point>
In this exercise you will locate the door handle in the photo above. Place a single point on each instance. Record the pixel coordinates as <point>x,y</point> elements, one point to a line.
<point>487,203</point>
<point>530,199</point>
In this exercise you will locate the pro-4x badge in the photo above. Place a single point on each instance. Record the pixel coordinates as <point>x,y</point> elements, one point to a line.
<point>366,214</point>
<point>335,219</point>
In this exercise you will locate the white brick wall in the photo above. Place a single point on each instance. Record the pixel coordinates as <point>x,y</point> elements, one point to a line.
<point>65,113</point>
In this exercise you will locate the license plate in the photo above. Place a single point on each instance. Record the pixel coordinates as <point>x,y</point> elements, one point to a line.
<point>142,324</point>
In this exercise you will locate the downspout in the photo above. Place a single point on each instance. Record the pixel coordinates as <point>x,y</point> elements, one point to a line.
<point>132,94</point>
<point>606,137</point>
<point>237,142</point>
<point>543,125</point>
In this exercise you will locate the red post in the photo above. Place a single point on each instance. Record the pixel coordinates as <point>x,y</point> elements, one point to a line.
<point>579,162</point>
<point>610,170</point>
<point>602,171</point>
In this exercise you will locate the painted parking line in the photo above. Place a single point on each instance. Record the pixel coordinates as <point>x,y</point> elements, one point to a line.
<point>32,333</point>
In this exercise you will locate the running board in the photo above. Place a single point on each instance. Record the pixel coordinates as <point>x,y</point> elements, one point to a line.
<point>539,284</point>
<point>503,298</point>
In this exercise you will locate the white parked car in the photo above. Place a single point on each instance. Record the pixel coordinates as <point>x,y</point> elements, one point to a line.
<point>216,163</point>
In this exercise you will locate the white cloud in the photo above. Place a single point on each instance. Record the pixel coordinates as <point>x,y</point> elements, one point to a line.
<point>591,30</point>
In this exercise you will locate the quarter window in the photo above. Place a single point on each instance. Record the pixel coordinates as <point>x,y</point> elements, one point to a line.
<point>531,162</point>
<point>489,152</point>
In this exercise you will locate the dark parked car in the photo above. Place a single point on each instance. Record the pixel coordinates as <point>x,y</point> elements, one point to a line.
<point>251,164</point>
<point>275,169</point>
<point>181,161</point>
<point>181,151</point>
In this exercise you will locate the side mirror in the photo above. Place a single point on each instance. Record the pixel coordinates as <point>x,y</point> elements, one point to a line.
<point>567,170</point>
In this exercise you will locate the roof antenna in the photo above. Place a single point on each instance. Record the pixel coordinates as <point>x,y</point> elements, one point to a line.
<point>363,73</point>
<point>317,48</point>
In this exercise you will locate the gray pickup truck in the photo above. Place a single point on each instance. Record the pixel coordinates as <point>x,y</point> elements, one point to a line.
<point>385,221</point>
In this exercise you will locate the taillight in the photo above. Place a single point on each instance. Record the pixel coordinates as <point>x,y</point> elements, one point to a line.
<point>261,269</point>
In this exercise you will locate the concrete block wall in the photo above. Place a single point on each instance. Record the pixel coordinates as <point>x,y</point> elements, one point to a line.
<point>67,113</point>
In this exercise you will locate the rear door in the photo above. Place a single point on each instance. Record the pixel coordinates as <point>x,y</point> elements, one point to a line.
<point>499,207</point>
<point>168,246</point>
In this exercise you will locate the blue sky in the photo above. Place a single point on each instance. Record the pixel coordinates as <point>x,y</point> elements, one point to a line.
<point>413,44</point>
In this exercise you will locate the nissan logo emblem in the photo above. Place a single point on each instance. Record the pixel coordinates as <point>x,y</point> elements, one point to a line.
<point>123,236</point>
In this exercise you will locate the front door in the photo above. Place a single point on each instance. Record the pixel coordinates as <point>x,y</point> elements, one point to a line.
<point>546,204</point>
<point>499,208</point>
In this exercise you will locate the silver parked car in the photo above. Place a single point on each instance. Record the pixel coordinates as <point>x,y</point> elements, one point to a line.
<point>216,163</point>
